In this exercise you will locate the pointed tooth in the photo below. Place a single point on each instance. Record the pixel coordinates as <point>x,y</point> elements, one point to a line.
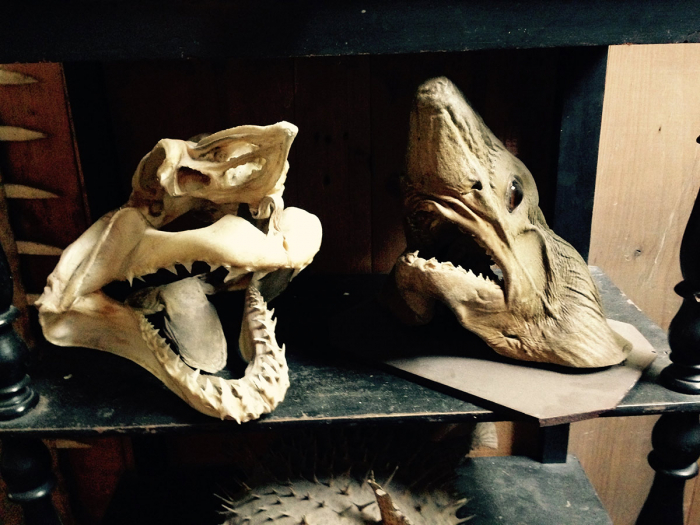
<point>230,405</point>
<point>234,272</point>
<point>210,393</point>
<point>130,278</point>
<point>187,266</point>
<point>172,269</point>
<point>191,381</point>
<point>140,278</point>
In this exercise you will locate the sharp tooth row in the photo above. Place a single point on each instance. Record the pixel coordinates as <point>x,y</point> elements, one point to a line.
<point>412,258</point>
<point>259,391</point>
<point>233,272</point>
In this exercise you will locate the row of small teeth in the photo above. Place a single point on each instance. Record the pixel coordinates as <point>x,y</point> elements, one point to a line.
<point>233,271</point>
<point>433,264</point>
<point>262,388</point>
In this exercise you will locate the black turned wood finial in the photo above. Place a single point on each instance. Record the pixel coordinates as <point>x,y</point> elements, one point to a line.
<point>676,442</point>
<point>16,396</point>
<point>683,375</point>
<point>26,469</point>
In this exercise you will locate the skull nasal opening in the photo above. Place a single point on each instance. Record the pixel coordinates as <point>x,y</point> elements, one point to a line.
<point>190,180</point>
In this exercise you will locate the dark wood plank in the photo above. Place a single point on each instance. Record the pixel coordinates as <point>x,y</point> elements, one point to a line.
<point>332,173</point>
<point>582,84</point>
<point>38,30</point>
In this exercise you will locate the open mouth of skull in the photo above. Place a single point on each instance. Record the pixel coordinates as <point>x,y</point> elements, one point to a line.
<point>198,309</point>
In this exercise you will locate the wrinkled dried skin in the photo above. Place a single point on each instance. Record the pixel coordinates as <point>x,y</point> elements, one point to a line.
<point>212,179</point>
<point>472,213</point>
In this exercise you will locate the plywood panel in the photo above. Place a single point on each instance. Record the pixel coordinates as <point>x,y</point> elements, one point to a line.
<point>692,502</point>
<point>648,171</point>
<point>648,177</point>
<point>613,453</point>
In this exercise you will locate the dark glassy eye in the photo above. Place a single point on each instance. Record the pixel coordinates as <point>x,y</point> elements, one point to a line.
<point>514,195</point>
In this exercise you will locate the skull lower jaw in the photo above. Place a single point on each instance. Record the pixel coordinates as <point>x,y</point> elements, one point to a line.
<point>100,322</point>
<point>452,284</point>
<point>258,392</point>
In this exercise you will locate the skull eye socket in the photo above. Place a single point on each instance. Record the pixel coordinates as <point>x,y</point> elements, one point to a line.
<point>514,195</point>
<point>190,180</point>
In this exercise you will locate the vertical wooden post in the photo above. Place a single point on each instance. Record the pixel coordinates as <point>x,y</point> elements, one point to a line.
<point>676,441</point>
<point>16,396</point>
<point>554,443</point>
<point>676,437</point>
<point>26,469</point>
<point>25,464</point>
<point>683,374</point>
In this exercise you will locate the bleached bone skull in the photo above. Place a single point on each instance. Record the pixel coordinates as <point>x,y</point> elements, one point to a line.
<point>472,212</point>
<point>239,168</point>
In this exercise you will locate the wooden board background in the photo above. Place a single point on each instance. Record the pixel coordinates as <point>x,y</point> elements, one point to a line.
<point>648,178</point>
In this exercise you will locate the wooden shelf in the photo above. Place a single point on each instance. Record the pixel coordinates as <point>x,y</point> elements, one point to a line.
<point>90,392</point>
<point>38,30</point>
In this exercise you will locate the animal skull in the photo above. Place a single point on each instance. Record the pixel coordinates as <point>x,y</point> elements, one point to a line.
<point>471,205</point>
<point>177,182</point>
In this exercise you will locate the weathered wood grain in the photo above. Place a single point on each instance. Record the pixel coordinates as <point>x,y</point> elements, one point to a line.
<point>648,171</point>
<point>613,452</point>
<point>648,176</point>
